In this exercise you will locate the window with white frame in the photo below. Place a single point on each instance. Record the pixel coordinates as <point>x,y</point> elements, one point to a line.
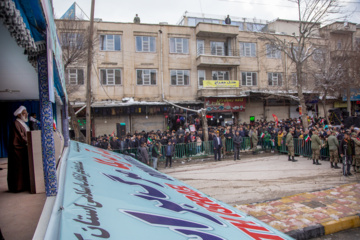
<point>110,76</point>
<point>110,42</point>
<point>76,76</point>
<point>249,78</point>
<point>217,48</point>
<point>220,75</point>
<point>200,47</point>
<point>275,79</point>
<point>146,76</point>
<point>145,44</point>
<point>272,51</point>
<point>247,49</point>
<point>201,77</point>
<point>180,77</point>
<point>179,45</point>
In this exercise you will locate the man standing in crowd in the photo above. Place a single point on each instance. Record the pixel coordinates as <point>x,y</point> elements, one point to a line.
<point>217,146</point>
<point>144,154</point>
<point>333,149</point>
<point>237,145</point>
<point>156,154</point>
<point>347,152</point>
<point>18,163</point>
<point>290,144</point>
<point>169,153</point>
<point>315,147</point>
<point>254,140</point>
<point>356,160</point>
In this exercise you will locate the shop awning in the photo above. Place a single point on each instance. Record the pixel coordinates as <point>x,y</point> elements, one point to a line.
<point>112,196</point>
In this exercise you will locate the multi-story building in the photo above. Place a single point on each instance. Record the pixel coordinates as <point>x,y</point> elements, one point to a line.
<point>231,70</point>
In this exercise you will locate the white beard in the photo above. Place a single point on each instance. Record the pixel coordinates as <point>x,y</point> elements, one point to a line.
<point>24,118</point>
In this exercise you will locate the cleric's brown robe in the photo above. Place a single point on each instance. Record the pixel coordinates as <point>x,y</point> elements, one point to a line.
<point>18,162</point>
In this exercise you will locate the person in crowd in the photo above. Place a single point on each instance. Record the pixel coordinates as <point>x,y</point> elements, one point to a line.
<point>315,147</point>
<point>356,159</point>
<point>217,143</point>
<point>237,145</point>
<point>18,178</point>
<point>254,141</point>
<point>198,144</point>
<point>347,152</point>
<point>290,145</point>
<point>333,149</point>
<point>156,153</point>
<point>143,154</point>
<point>169,153</point>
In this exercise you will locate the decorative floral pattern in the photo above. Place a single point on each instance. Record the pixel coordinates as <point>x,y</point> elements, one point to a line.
<point>47,134</point>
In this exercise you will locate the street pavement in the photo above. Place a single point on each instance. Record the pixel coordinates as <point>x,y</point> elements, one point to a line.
<point>297,198</point>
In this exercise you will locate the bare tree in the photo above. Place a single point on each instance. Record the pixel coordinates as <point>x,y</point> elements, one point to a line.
<point>302,44</point>
<point>74,42</point>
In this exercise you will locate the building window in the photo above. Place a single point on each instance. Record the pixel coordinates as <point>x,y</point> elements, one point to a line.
<point>200,47</point>
<point>180,77</point>
<point>294,79</point>
<point>179,45</point>
<point>275,79</point>
<point>146,76</point>
<point>201,77</point>
<point>217,48</point>
<point>76,76</point>
<point>110,42</point>
<point>110,76</point>
<point>72,40</point>
<point>249,78</point>
<point>145,44</point>
<point>318,55</point>
<point>357,43</point>
<point>272,51</point>
<point>220,75</point>
<point>247,49</point>
<point>339,45</point>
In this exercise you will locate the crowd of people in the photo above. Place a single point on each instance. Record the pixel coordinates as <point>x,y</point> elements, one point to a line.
<point>343,144</point>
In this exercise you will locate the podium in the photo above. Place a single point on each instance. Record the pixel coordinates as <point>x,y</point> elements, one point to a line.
<point>36,168</point>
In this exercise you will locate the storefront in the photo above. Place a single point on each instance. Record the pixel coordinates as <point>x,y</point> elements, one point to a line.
<point>222,111</point>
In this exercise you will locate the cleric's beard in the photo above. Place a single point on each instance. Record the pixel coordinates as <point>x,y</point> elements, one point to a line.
<point>25,119</point>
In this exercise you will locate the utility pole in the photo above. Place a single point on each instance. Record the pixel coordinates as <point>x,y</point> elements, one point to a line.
<point>88,80</point>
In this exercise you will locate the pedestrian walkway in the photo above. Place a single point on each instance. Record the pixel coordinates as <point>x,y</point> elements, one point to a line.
<point>311,214</point>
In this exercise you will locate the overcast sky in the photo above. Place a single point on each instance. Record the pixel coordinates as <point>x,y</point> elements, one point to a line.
<point>155,11</point>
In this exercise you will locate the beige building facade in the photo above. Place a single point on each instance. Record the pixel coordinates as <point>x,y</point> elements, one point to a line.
<point>139,68</point>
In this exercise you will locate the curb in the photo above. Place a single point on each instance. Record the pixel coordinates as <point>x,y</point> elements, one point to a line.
<point>326,228</point>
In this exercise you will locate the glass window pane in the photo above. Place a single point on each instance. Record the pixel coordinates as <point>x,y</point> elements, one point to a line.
<point>139,77</point>
<point>186,45</point>
<point>138,44</point>
<point>173,77</point>
<point>172,45</point>
<point>243,79</point>
<point>152,44</point>
<point>117,43</point>
<point>254,76</point>
<point>117,76</point>
<point>153,77</point>
<point>80,75</point>
<point>103,76</point>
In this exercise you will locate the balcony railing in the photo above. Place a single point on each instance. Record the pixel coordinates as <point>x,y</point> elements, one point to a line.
<point>216,51</point>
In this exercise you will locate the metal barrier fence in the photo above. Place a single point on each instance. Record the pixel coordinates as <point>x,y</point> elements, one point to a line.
<point>194,149</point>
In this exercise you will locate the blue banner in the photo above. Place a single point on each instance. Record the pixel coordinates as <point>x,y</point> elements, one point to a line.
<point>70,13</point>
<point>113,196</point>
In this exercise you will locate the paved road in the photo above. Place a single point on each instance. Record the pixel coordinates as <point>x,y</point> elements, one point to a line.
<point>258,178</point>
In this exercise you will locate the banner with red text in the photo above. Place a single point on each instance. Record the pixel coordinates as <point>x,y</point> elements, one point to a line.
<point>113,196</point>
<point>225,104</point>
